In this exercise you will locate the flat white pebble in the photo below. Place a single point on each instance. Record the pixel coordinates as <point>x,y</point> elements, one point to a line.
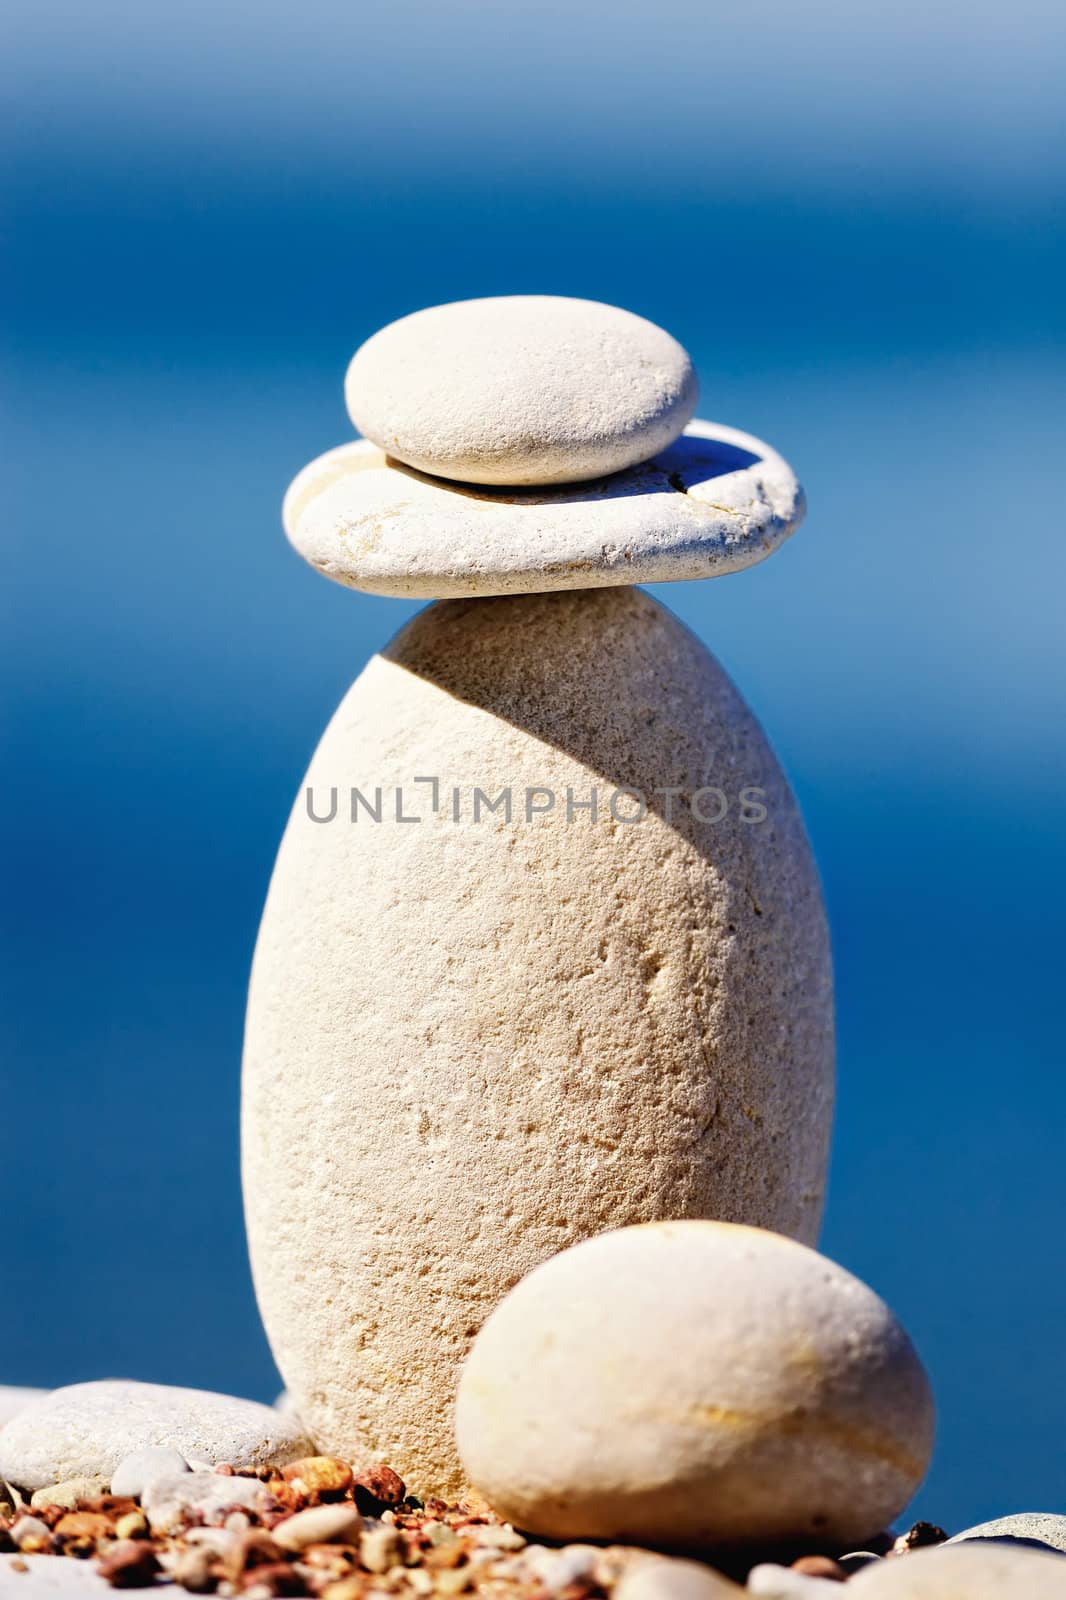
<point>781,1583</point>
<point>136,1471</point>
<point>209,1493</point>
<point>521,389</point>
<point>963,1572</point>
<point>86,1430</point>
<point>339,1524</point>
<point>1034,1528</point>
<point>663,1578</point>
<point>694,1383</point>
<point>715,501</point>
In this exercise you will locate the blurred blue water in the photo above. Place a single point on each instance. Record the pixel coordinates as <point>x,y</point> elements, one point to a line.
<point>857,226</point>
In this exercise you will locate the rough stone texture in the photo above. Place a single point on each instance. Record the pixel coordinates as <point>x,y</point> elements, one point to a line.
<point>963,1572</point>
<point>694,1383</point>
<point>521,389</point>
<point>85,1430</point>
<point>714,502</point>
<point>471,1045</point>
<point>1034,1528</point>
<point>660,1578</point>
<point>13,1400</point>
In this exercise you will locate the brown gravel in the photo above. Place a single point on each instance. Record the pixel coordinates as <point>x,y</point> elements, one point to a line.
<point>405,1548</point>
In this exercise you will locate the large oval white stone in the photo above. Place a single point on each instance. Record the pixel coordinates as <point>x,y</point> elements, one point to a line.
<point>471,1043</point>
<point>521,389</point>
<point>694,1383</point>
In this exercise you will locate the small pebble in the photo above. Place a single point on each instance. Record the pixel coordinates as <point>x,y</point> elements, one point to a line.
<point>820,1567</point>
<point>69,1493</point>
<point>376,1488</point>
<point>341,1524</point>
<point>131,1526</point>
<point>193,1570</point>
<point>129,1564</point>
<point>555,1569</point>
<point>380,1549</point>
<point>662,1578</point>
<point>82,1529</point>
<point>136,1471</point>
<point>773,1582</point>
<point>318,1475</point>
<point>495,1537</point>
<point>30,1533</point>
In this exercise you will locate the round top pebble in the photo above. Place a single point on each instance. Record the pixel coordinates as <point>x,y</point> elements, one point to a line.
<point>714,501</point>
<point>521,390</point>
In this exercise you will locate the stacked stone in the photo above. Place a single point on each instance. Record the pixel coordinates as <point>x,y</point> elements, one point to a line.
<point>544,962</point>
<point>538,1070</point>
<point>591,986</point>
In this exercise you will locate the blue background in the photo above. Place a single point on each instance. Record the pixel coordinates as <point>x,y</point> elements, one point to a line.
<point>853,217</point>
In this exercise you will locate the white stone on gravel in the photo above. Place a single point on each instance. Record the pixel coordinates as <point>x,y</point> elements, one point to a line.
<point>136,1471</point>
<point>212,1494</point>
<point>715,501</point>
<point>338,1524</point>
<point>26,1529</point>
<point>963,1572</point>
<point>87,1429</point>
<point>556,1569</point>
<point>772,1582</point>
<point>694,1383</point>
<point>663,1578</point>
<point>521,389</point>
<point>69,1492</point>
<point>53,1576</point>
<point>571,1025</point>
<point>1034,1528</point>
<point>14,1399</point>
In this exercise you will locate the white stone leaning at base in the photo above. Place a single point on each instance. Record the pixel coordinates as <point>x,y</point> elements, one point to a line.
<point>694,1383</point>
<point>714,502</point>
<point>521,389</point>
